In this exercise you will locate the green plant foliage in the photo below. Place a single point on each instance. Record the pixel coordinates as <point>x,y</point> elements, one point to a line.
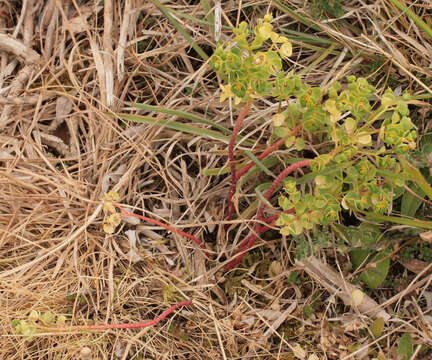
<point>378,266</point>
<point>405,347</point>
<point>371,136</point>
<point>319,240</point>
<point>245,70</point>
<point>411,203</point>
<point>367,255</point>
<point>329,7</point>
<point>377,327</point>
<point>35,322</point>
<point>418,250</point>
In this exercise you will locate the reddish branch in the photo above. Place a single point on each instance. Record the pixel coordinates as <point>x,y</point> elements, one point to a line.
<point>267,152</point>
<point>250,240</point>
<point>170,228</point>
<point>125,326</point>
<point>231,144</point>
<point>270,221</point>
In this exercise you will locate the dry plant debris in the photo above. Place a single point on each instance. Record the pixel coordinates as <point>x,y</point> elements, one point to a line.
<point>66,67</point>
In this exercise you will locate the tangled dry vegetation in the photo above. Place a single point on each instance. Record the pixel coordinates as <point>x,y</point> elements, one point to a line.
<point>66,69</point>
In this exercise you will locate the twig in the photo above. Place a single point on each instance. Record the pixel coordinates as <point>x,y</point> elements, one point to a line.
<point>16,47</point>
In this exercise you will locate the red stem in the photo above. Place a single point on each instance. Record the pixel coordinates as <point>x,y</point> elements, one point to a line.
<point>263,228</point>
<point>126,326</point>
<point>247,243</point>
<point>156,222</point>
<point>231,144</point>
<point>268,151</point>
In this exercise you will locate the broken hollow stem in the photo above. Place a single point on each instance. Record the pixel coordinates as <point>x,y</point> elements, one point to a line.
<point>231,144</point>
<point>251,239</point>
<point>123,326</point>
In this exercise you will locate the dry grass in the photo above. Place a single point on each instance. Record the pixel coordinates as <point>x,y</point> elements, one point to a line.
<point>64,71</point>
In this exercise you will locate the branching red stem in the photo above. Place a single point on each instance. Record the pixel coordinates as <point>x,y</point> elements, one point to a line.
<point>231,144</point>
<point>268,151</point>
<point>270,221</point>
<point>247,243</point>
<point>170,228</point>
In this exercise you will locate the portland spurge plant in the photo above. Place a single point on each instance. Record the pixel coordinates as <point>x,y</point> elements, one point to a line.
<point>357,134</point>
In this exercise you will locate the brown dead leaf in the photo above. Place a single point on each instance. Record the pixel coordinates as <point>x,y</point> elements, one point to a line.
<point>352,322</point>
<point>79,23</point>
<point>416,266</point>
<point>427,236</point>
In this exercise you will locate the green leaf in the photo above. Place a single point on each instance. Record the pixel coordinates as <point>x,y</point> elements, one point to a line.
<point>209,14</point>
<point>416,176</point>
<point>405,346</point>
<point>259,191</point>
<point>373,277</point>
<point>377,327</point>
<point>365,235</point>
<point>47,317</point>
<point>286,49</point>
<point>260,164</point>
<point>410,203</point>
<point>186,128</point>
<point>174,125</point>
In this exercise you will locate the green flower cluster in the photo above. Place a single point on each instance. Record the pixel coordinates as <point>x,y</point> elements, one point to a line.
<point>320,208</point>
<point>363,146</point>
<point>359,133</point>
<point>245,70</point>
<point>398,131</point>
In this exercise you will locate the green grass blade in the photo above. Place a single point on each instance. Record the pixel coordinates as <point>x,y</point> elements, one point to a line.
<point>186,128</point>
<point>300,18</point>
<point>180,29</point>
<point>173,125</point>
<point>260,164</point>
<point>208,14</point>
<point>326,53</point>
<point>398,220</point>
<point>198,20</point>
<point>268,162</point>
<point>260,196</point>
<point>182,114</point>
<point>303,37</point>
<point>418,21</point>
